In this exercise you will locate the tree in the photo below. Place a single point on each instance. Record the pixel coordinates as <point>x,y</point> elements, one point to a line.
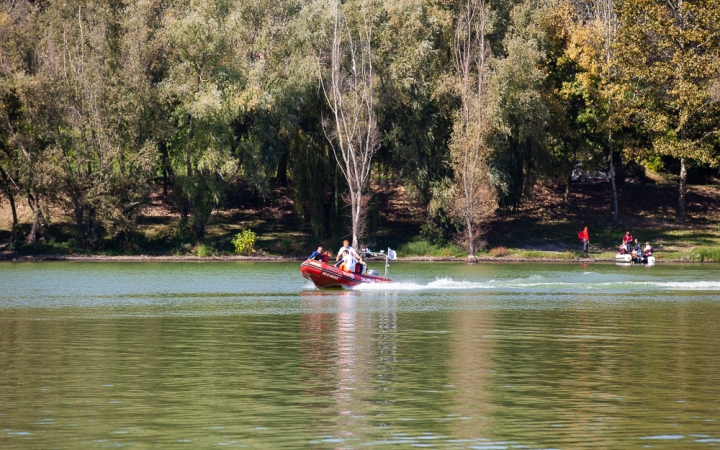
<point>669,54</point>
<point>470,147</point>
<point>208,86</point>
<point>350,93</point>
<point>92,55</point>
<point>592,44</point>
<point>28,119</point>
<point>520,146</point>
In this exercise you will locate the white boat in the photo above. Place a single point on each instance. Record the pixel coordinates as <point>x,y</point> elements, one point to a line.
<point>626,259</point>
<point>623,257</point>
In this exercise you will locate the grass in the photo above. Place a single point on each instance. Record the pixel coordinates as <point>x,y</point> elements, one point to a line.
<point>498,252</point>
<point>705,254</point>
<point>421,247</point>
<point>204,251</point>
<point>535,254</point>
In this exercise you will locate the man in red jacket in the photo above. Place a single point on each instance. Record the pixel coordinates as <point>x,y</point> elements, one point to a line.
<point>585,238</point>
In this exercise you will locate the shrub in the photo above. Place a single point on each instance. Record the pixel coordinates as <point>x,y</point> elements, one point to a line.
<point>706,254</point>
<point>499,251</point>
<point>244,242</point>
<point>203,250</point>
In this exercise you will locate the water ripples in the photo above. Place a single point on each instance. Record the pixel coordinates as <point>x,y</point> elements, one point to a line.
<point>536,361</point>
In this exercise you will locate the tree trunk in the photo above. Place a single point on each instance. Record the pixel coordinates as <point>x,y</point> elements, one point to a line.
<point>91,224</point>
<point>681,202</point>
<point>356,213</point>
<point>471,241</point>
<point>79,215</point>
<point>282,169</point>
<point>566,197</point>
<point>34,202</point>
<point>616,212</point>
<point>11,197</point>
<point>168,174</point>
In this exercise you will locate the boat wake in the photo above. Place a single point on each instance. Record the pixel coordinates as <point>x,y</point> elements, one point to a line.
<point>537,282</point>
<point>438,284</point>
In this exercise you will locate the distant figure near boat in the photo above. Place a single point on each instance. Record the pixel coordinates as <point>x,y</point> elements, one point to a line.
<point>632,252</point>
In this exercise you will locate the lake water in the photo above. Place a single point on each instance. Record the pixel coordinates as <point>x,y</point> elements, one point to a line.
<point>486,356</point>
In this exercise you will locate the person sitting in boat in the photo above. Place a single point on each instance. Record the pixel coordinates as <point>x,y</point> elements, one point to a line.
<point>648,250</point>
<point>637,253</point>
<point>326,256</point>
<point>317,255</point>
<point>361,266</point>
<point>348,262</point>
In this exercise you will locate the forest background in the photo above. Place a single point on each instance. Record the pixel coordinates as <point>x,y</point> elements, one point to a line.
<point>168,127</point>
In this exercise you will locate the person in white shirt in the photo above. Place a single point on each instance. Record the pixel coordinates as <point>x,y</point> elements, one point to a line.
<point>348,262</point>
<point>346,246</point>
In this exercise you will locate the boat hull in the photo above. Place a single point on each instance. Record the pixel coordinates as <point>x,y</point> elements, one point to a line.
<point>325,275</point>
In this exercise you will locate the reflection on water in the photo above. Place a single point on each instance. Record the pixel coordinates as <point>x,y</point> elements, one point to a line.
<point>453,356</point>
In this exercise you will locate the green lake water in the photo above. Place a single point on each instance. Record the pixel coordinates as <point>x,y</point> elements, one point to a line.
<point>486,356</point>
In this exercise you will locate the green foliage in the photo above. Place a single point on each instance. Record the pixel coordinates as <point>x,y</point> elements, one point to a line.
<point>706,254</point>
<point>204,250</point>
<point>209,94</point>
<point>654,163</point>
<point>244,241</point>
<point>423,247</point>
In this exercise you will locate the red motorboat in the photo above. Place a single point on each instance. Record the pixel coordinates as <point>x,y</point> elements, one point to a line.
<point>326,275</point>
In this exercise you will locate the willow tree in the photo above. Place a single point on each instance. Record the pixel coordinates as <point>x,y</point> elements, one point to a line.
<point>348,84</point>
<point>669,53</point>
<point>473,198</point>
<point>26,117</point>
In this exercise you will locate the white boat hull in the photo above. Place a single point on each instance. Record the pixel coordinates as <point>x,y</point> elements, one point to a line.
<point>623,257</point>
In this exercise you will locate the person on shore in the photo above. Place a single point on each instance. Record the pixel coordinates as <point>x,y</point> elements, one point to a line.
<point>317,255</point>
<point>627,241</point>
<point>584,236</point>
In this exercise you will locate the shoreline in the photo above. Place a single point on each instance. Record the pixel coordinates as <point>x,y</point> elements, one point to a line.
<point>15,257</point>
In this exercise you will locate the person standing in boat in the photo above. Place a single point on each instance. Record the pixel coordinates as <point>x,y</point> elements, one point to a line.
<point>346,247</point>
<point>584,236</point>
<point>627,241</point>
